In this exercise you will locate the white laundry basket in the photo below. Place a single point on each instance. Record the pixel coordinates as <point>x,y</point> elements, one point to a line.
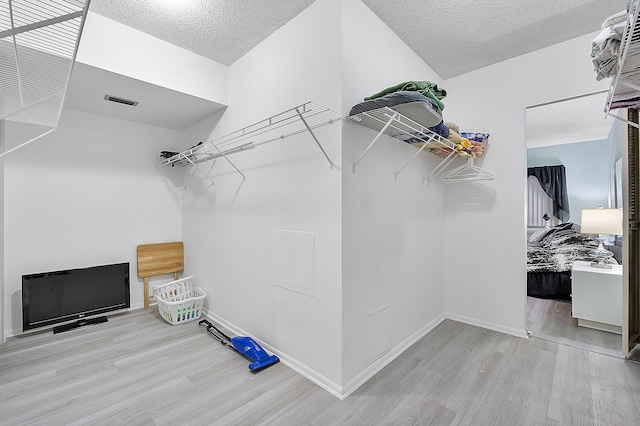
<point>180,301</point>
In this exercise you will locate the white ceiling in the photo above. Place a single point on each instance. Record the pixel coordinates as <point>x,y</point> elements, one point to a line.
<point>580,119</point>
<point>158,106</point>
<point>452,36</point>
<point>221,30</point>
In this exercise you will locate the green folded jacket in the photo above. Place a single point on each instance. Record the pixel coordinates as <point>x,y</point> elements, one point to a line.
<point>427,88</point>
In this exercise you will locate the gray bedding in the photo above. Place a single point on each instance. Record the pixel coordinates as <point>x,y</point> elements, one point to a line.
<point>555,249</point>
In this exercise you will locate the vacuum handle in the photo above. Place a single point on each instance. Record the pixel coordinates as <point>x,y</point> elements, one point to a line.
<point>211,326</point>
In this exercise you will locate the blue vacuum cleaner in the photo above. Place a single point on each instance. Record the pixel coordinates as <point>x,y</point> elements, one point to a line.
<point>245,346</point>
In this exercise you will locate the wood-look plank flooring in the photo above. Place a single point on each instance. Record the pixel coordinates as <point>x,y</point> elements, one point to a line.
<point>551,320</point>
<point>138,370</point>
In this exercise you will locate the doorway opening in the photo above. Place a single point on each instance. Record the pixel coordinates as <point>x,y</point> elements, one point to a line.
<point>573,134</point>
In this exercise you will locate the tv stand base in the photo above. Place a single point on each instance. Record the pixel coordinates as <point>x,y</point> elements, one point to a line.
<point>79,323</point>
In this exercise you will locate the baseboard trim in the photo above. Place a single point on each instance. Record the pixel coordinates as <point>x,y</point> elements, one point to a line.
<point>343,392</point>
<point>317,378</point>
<point>382,362</point>
<point>488,325</point>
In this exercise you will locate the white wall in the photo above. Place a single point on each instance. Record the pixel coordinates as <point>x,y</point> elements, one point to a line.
<point>393,237</point>
<point>86,195</point>
<point>2,180</point>
<point>486,229</point>
<point>230,228</point>
<point>123,50</point>
<point>377,240</point>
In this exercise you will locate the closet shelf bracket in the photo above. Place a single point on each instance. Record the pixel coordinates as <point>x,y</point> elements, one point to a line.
<point>230,162</point>
<point>206,175</point>
<point>630,123</point>
<point>313,135</point>
<point>375,139</point>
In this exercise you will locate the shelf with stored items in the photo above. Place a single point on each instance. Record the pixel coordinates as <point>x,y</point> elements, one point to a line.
<point>395,123</point>
<point>624,91</point>
<point>303,118</point>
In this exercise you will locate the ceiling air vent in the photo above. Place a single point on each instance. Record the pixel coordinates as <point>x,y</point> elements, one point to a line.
<point>120,100</point>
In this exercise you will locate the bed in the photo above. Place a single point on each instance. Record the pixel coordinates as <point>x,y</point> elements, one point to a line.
<point>550,256</point>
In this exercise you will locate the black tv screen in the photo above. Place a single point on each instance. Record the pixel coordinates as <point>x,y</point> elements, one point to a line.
<point>75,294</point>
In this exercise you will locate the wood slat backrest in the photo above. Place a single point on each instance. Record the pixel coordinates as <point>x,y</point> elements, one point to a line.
<point>162,258</point>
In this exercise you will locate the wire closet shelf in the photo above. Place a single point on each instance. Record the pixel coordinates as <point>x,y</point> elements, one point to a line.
<point>303,118</point>
<point>625,84</point>
<point>38,45</point>
<point>387,121</point>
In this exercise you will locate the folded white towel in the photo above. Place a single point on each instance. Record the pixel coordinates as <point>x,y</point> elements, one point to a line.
<point>619,17</point>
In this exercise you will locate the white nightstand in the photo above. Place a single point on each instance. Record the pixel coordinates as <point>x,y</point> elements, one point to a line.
<point>596,296</point>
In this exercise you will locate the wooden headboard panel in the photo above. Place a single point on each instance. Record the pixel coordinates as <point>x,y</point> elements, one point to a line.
<point>159,259</point>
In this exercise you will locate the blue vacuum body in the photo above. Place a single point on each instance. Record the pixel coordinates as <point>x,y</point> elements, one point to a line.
<point>252,350</point>
<point>244,345</point>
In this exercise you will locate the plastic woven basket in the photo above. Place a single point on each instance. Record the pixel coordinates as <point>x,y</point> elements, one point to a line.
<point>179,301</point>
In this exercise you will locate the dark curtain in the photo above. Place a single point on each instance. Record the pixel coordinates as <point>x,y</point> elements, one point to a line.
<point>553,180</point>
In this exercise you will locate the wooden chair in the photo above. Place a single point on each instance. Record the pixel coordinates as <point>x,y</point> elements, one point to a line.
<point>159,259</point>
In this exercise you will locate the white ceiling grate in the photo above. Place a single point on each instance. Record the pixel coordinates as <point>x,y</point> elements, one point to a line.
<point>38,44</point>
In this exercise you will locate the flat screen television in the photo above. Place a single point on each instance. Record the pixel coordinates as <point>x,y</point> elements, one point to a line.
<point>78,295</point>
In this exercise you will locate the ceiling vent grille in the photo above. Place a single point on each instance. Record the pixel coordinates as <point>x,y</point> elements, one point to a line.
<point>120,100</point>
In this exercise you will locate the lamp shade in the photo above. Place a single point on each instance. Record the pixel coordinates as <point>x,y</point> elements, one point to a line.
<point>601,221</point>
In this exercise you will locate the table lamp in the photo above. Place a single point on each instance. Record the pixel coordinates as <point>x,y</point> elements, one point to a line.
<point>601,221</point>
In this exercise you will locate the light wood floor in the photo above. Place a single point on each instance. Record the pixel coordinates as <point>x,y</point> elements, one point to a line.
<point>138,370</point>
<point>551,320</point>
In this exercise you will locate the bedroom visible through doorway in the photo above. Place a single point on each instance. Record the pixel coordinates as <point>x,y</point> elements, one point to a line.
<point>570,134</point>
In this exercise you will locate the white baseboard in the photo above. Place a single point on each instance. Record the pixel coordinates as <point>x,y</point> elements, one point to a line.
<point>382,362</point>
<point>336,390</point>
<point>343,392</point>
<point>317,378</point>
<point>488,325</point>
<point>135,306</point>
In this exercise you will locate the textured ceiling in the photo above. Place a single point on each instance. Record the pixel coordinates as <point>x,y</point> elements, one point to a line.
<point>451,36</point>
<point>457,36</point>
<point>550,124</point>
<point>222,30</point>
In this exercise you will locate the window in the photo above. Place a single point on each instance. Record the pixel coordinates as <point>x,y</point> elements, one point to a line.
<point>538,204</point>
